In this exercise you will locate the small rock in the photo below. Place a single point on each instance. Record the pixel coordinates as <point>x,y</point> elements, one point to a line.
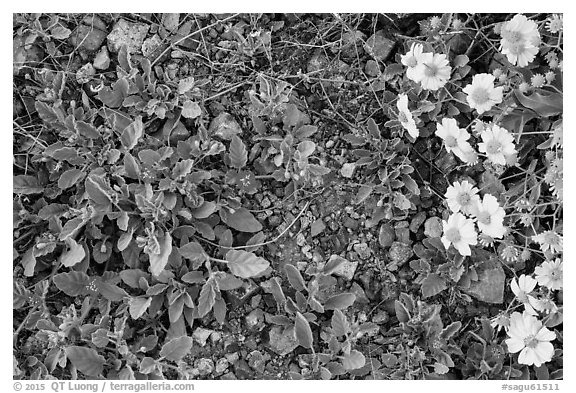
<point>150,45</point>
<point>381,317</point>
<point>386,235</point>
<point>300,239</point>
<point>433,227</point>
<point>491,281</point>
<point>400,253</point>
<point>253,318</point>
<point>229,376</point>
<point>90,34</point>
<point>361,297</point>
<point>347,170</point>
<point>215,337</point>
<point>317,228</point>
<point>317,62</point>
<point>221,365</point>
<point>265,203</point>
<point>283,340</point>
<point>346,269</point>
<point>329,144</point>
<point>232,357</point>
<point>403,235</point>
<point>362,250</point>
<point>417,221</point>
<point>201,335</point>
<point>127,33</point>
<point>224,126</point>
<point>379,46</point>
<point>102,59</point>
<point>351,223</point>
<point>274,220</point>
<point>372,68</point>
<point>85,73</point>
<point>205,366</point>
<point>257,360</point>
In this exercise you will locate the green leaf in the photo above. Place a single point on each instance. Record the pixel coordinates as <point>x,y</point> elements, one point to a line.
<point>432,285</point>
<point>207,299</point>
<point>205,210</point>
<point>302,331</point>
<point>193,251</point>
<point>401,312</point>
<point>227,282</point>
<point>545,103</point>
<point>71,227</point>
<point>132,134</point>
<point>23,184</point>
<point>176,348</point>
<point>110,291</point>
<point>245,264</point>
<point>461,61</point>
<point>354,360</point>
<point>29,262</point>
<point>241,220</point>
<point>191,109</point>
<point>182,169</point>
<point>72,283</point>
<point>73,255</point>
<point>87,130</point>
<point>158,261</point>
<point>86,360</point>
<point>238,154</point>
<point>450,330</point>
<point>339,322</point>
<point>97,190</point>
<point>294,277</point>
<point>340,301</point>
<point>70,177</point>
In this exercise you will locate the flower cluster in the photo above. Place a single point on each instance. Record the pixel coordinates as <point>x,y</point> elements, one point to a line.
<point>431,70</point>
<point>459,231</point>
<point>520,40</point>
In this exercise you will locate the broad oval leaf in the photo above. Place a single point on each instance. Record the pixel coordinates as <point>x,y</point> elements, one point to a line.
<point>69,178</point>
<point>73,255</point>
<point>401,312</point>
<point>241,220</point>
<point>207,299</point>
<point>132,134</point>
<point>176,348</point>
<point>245,264</point>
<point>294,277</point>
<point>158,261</point>
<point>339,323</point>
<point>71,283</point>
<point>138,306</point>
<point>86,360</point>
<point>340,301</point>
<point>302,331</point>
<point>193,251</point>
<point>238,154</point>
<point>545,103</point>
<point>432,285</point>
<point>87,130</point>
<point>354,360</point>
<point>110,291</point>
<point>23,184</point>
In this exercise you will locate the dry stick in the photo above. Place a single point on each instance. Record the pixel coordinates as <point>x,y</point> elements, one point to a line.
<point>190,35</point>
<point>257,244</point>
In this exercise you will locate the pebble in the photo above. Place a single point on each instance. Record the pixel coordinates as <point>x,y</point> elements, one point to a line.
<point>300,239</point>
<point>232,357</point>
<point>102,59</point>
<point>351,223</point>
<point>400,253</point>
<point>221,365</point>
<point>127,33</point>
<point>346,269</point>
<point>381,317</point>
<point>266,203</point>
<point>329,144</point>
<point>363,251</point>
<point>433,227</point>
<point>201,335</point>
<point>205,366</point>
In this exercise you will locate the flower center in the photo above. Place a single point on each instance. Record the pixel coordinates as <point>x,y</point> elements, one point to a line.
<point>555,274</point>
<point>551,239</point>
<point>523,297</point>
<point>453,235</point>
<point>484,218</point>
<point>450,141</point>
<point>512,36</point>
<point>493,147</point>
<point>463,199</point>
<point>430,70</point>
<point>531,341</point>
<point>517,48</point>
<point>480,95</point>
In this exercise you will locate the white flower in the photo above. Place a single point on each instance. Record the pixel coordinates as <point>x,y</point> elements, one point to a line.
<point>522,289</point>
<point>549,240</point>
<point>433,71</point>
<point>481,94</point>
<point>454,138</point>
<point>520,40</point>
<point>462,197</point>
<point>549,274</point>
<point>531,339</point>
<point>498,144</point>
<point>459,231</point>
<point>405,116</point>
<point>555,23</point>
<point>490,217</point>
<point>411,59</point>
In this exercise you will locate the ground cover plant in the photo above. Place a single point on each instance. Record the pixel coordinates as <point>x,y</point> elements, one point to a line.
<point>287,196</point>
